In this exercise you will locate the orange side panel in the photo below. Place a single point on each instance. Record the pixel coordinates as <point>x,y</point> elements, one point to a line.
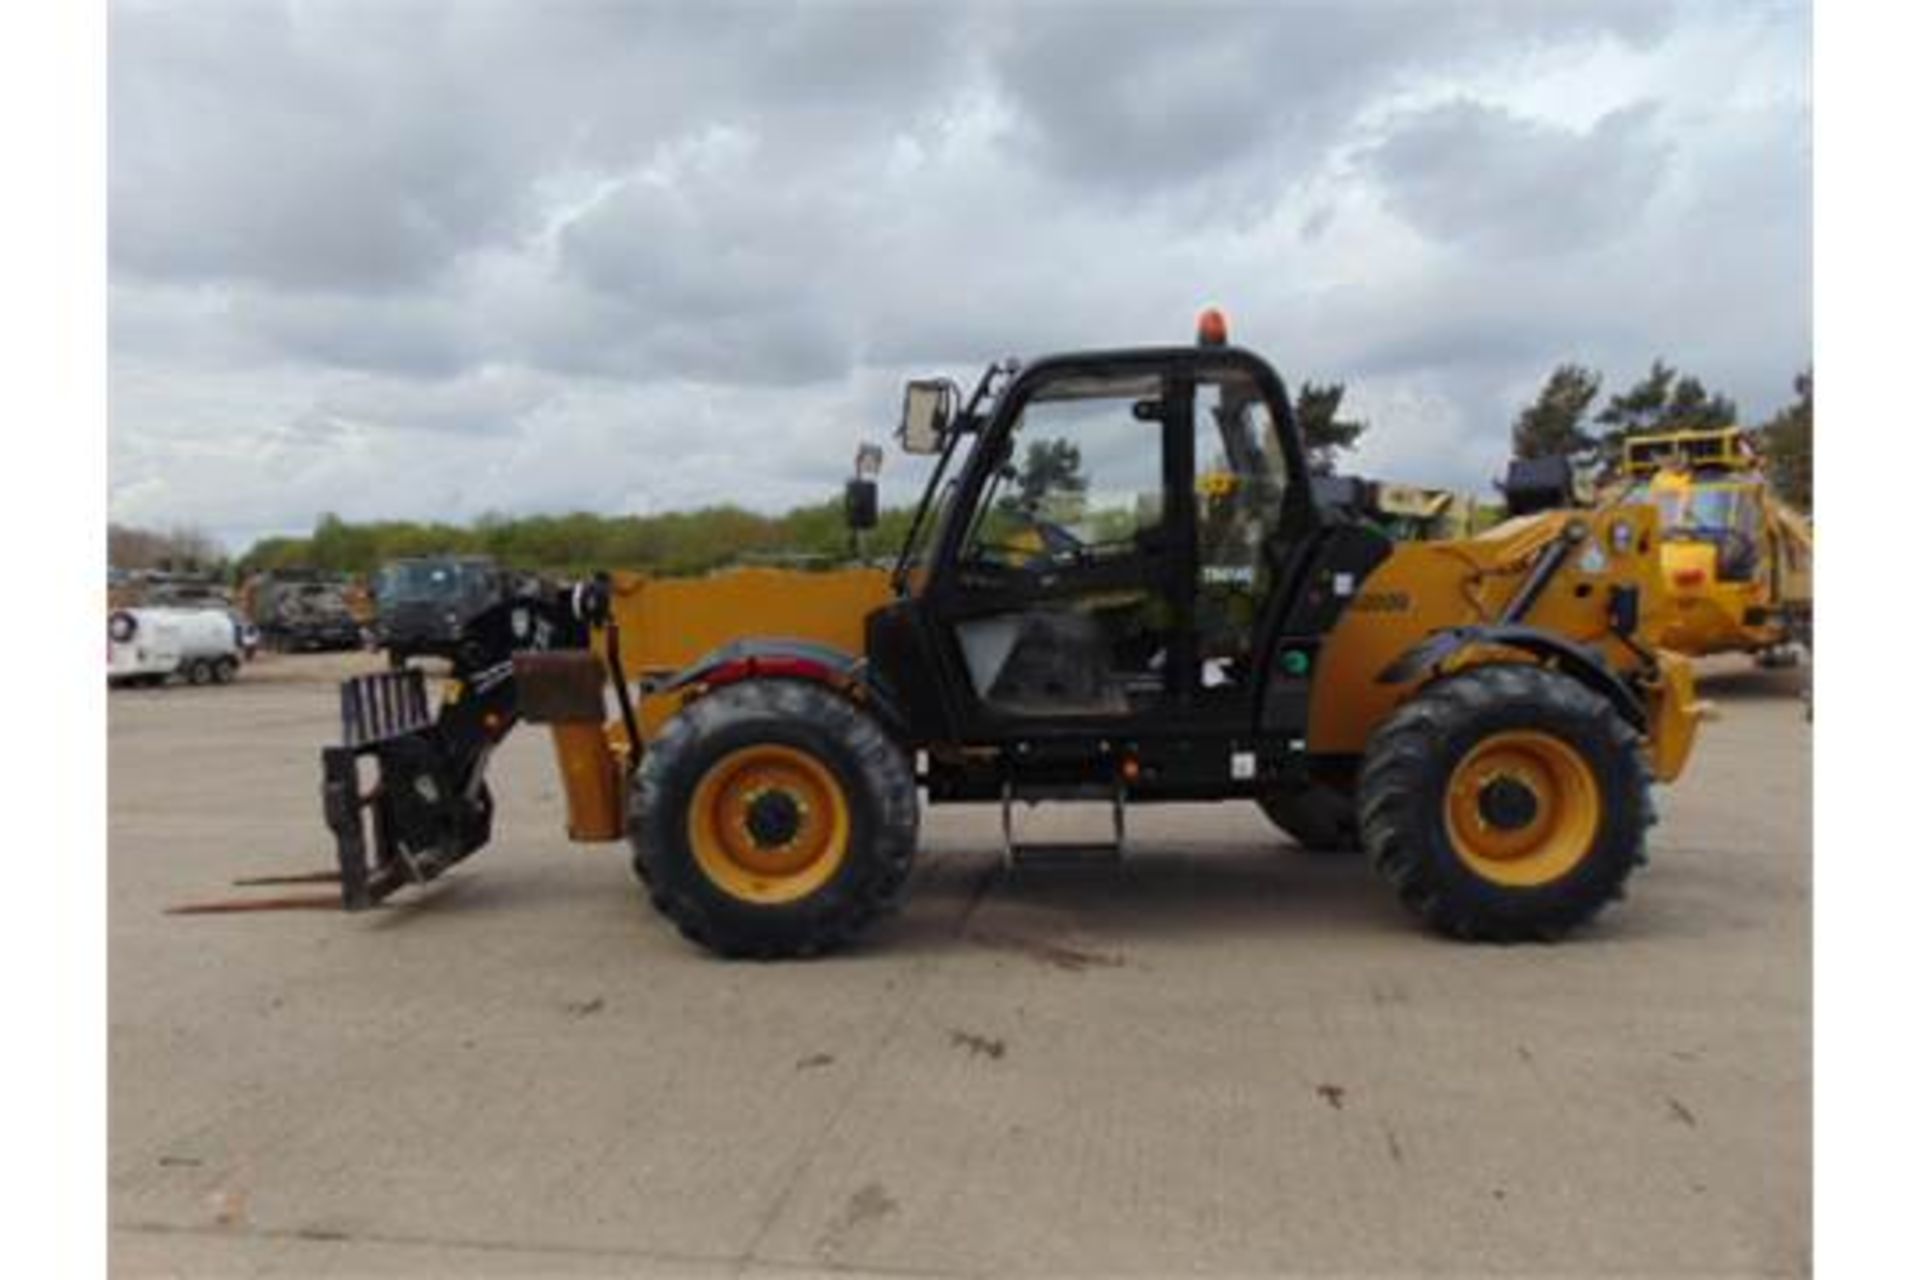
<point>667,624</point>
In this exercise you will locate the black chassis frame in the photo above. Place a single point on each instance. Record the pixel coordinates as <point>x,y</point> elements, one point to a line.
<point>1187,747</point>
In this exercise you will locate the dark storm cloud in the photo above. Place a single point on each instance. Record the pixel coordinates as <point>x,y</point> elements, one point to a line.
<point>1475,175</point>
<point>356,244</point>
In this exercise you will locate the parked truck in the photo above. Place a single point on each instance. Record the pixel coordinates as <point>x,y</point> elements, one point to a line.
<point>304,612</point>
<point>424,603</point>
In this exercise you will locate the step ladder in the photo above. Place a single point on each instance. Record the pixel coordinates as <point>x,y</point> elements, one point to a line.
<point>1019,853</point>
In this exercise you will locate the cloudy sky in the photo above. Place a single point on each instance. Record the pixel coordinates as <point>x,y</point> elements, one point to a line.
<point>432,260</point>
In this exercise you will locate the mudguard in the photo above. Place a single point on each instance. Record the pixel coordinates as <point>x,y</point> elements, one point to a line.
<point>778,658</point>
<point>1574,659</point>
<point>768,658</point>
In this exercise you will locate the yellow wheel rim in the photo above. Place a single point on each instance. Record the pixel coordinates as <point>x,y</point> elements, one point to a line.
<point>1523,808</point>
<point>769,824</point>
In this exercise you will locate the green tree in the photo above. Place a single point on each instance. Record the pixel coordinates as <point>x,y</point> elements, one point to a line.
<point>1052,468</point>
<point>1637,410</point>
<point>1316,408</point>
<point>1787,440</point>
<point>1555,423</point>
<point>1693,409</point>
<point>343,547</point>
<point>1662,401</point>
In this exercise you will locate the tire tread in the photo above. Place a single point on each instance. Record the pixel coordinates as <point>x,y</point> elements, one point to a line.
<point>672,763</point>
<point>1394,819</point>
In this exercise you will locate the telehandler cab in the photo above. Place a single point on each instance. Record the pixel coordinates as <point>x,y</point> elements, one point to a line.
<point>1117,586</point>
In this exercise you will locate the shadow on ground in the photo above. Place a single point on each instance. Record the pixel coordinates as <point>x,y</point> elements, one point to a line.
<point>1754,683</point>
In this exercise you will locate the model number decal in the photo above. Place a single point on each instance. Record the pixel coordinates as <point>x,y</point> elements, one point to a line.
<point>1382,602</point>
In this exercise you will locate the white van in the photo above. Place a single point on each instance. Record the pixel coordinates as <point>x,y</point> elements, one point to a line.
<point>145,646</point>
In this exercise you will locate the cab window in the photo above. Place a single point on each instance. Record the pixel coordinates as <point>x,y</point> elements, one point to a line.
<point>1061,593</point>
<point>1079,478</point>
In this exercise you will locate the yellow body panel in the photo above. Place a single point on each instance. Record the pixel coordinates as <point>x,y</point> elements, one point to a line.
<point>592,777</point>
<point>1425,586</point>
<point>1707,611</point>
<point>668,624</point>
<point>1676,715</point>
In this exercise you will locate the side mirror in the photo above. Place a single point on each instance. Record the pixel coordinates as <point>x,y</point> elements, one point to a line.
<point>863,505</point>
<point>925,416</point>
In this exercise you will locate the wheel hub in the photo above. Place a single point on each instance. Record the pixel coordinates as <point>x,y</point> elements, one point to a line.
<point>1507,803</point>
<point>773,819</point>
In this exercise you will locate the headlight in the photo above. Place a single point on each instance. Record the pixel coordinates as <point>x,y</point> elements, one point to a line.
<point>121,627</point>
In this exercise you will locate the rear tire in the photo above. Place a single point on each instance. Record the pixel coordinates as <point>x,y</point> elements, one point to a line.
<point>1506,803</point>
<point>773,819</point>
<point>225,669</point>
<point>1318,818</point>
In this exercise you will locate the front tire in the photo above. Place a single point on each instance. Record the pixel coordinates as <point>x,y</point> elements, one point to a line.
<point>1506,803</point>
<point>773,819</point>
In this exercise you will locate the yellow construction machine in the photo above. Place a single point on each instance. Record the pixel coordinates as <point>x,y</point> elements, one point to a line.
<point>1119,587</point>
<point>1738,561</point>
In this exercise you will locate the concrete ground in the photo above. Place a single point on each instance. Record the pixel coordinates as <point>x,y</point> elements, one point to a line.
<point>1224,1055</point>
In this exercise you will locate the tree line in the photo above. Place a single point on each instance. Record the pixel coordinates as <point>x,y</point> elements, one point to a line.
<point>673,542</point>
<point>183,550</point>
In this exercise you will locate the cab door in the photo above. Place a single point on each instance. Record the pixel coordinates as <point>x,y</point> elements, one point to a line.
<point>1134,549</point>
<point>1058,598</point>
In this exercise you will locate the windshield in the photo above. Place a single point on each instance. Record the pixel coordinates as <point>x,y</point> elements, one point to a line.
<point>1701,510</point>
<point>1671,503</point>
<point>1715,510</point>
<point>426,579</point>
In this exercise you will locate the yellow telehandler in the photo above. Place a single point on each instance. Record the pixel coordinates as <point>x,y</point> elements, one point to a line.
<point>1117,586</point>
